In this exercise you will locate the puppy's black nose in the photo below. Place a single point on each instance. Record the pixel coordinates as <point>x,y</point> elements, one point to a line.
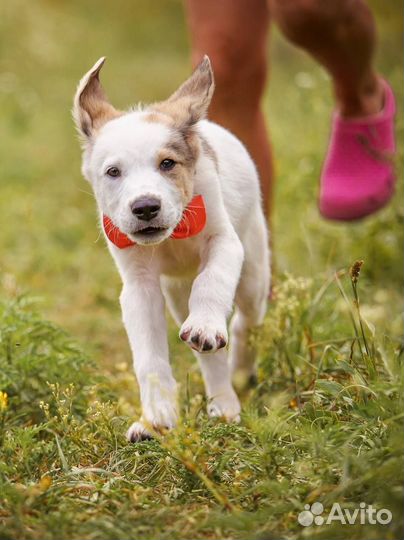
<point>145,208</point>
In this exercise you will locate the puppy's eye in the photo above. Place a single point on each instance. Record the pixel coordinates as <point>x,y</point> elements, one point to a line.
<point>167,164</point>
<point>113,172</point>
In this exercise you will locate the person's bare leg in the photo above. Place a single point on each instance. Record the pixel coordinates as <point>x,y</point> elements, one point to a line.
<point>233,33</point>
<point>341,35</point>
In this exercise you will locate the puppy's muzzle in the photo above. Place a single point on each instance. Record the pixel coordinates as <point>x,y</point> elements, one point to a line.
<point>145,208</point>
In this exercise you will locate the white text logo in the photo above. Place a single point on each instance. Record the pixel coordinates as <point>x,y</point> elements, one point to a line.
<point>312,514</point>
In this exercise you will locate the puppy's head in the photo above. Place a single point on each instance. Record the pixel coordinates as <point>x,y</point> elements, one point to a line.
<point>141,163</point>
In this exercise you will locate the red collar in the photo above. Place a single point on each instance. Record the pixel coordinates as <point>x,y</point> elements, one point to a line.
<point>192,223</point>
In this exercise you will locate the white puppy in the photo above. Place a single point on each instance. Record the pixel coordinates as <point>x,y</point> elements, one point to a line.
<point>145,166</point>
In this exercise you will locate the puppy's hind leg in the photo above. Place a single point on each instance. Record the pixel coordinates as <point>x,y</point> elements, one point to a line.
<point>216,373</point>
<point>251,302</point>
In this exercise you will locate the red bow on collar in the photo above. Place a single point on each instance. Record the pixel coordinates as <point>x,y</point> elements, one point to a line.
<point>192,223</point>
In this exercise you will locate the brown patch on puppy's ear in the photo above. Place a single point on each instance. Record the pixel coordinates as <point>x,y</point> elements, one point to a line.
<point>190,102</point>
<point>91,109</point>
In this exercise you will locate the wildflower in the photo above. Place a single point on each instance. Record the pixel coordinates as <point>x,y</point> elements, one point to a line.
<point>355,270</point>
<point>293,404</point>
<point>3,401</point>
<point>45,483</point>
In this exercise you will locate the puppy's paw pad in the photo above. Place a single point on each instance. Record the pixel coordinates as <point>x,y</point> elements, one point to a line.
<point>138,433</point>
<point>204,338</point>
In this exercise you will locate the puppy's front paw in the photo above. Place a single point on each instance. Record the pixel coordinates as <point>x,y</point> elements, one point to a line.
<point>226,406</point>
<point>138,432</point>
<point>204,337</point>
<point>158,416</point>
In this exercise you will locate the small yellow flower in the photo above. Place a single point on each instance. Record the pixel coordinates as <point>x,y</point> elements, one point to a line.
<point>3,401</point>
<point>45,483</point>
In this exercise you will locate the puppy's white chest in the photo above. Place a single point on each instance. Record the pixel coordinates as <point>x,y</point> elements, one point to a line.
<point>180,257</point>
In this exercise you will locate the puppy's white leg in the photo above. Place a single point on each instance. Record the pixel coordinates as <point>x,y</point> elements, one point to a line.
<point>222,399</point>
<point>144,318</point>
<point>251,301</point>
<point>213,292</point>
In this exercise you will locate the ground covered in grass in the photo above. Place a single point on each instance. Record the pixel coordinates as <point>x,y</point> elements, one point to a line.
<point>324,424</point>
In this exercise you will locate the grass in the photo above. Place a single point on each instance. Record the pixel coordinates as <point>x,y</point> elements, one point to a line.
<point>325,422</point>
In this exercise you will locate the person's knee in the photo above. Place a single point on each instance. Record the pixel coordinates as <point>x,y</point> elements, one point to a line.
<point>299,17</point>
<point>314,23</point>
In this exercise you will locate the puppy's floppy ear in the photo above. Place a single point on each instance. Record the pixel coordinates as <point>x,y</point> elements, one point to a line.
<point>91,109</point>
<point>190,102</point>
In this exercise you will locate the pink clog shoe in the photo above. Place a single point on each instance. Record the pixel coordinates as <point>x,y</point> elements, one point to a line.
<point>358,173</point>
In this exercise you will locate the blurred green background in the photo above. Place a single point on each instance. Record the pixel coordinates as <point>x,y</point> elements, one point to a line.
<point>50,244</point>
